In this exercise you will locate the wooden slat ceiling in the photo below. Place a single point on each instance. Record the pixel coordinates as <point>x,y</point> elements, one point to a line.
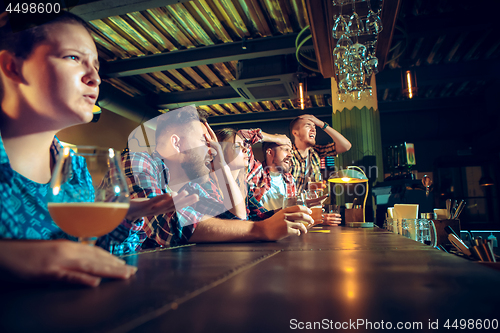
<point>195,24</point>
<point>151,49</point>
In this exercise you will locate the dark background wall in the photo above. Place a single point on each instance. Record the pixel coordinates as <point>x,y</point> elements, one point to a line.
<point>456,146</point>
<point>449,132</point>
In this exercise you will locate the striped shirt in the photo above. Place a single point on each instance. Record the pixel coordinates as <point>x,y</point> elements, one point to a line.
<point>307,166</point>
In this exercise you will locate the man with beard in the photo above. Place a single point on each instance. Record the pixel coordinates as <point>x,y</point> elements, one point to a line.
<point>271,180</point>
<point>185,146</point>
<point>306,154</point>
<point>274,181</point>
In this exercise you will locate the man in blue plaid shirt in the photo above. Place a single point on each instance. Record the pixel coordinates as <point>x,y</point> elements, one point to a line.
<point>180,163</point>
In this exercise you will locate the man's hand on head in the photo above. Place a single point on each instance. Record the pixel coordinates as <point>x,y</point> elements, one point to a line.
<point>282,139</point>
<point>312,118</point>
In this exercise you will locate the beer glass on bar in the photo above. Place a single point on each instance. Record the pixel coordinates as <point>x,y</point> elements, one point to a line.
<point>88,206</point>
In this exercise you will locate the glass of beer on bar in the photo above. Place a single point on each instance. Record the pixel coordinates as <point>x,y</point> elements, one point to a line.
<point>299,199</point>
<point>315,188</point>
<point>316,184</point>
<point>317,211</point>
<point>85,205</point>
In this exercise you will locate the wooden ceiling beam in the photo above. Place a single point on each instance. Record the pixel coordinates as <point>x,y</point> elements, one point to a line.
<point>390,11</point>
<point>258,117</point>
<point>226,94</point>
<point>255,48</point>
<point>320,15</point>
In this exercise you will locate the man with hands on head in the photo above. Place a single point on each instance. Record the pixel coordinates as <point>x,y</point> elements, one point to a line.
<point>271,180</point>
<point>306,154</point>
<point>259,176</point>
<point>274,182</point>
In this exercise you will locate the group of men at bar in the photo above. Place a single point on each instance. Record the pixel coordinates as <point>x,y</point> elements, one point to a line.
<point>180,162</point>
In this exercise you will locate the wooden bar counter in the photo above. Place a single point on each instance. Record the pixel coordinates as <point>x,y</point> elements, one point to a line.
<point>338,279</point>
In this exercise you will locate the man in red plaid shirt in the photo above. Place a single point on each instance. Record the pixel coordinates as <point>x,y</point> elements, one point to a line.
<point>277,182</point>
<point>271,180</point>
